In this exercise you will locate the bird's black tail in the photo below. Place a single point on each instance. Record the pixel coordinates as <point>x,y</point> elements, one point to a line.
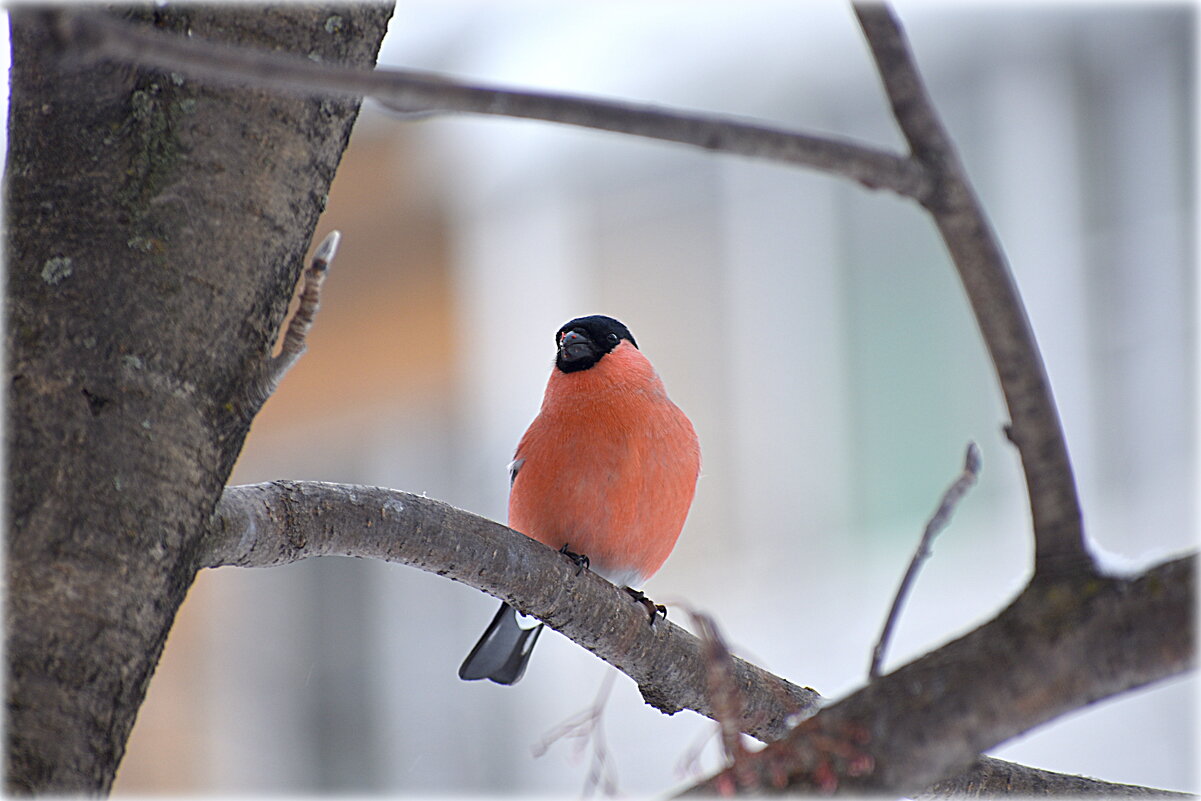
<point>502,653</point>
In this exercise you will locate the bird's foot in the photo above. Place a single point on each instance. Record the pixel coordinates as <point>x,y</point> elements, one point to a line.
<point>655,610</point>
<point>581,561</point>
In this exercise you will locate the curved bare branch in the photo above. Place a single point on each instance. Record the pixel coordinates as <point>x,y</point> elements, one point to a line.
<point>101,36</point>
<point>1060,646</point>
<point>263,525</point>
<point>1035,426</point>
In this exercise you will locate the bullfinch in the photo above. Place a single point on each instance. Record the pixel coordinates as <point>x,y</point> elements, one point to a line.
<point>605,474</point>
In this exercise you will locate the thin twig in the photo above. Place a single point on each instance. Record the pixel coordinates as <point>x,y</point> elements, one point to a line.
<point>273,368</point>
<point>723,691</point>
<point>1035,426</point>
<point>942,516</point>
<point>97,36</point>
<point>310,300</point>
<point>688,766</point>
<point>587,728</point>
<point>1057,647</point>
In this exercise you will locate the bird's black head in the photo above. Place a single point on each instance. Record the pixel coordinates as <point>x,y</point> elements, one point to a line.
<point>583,341</point>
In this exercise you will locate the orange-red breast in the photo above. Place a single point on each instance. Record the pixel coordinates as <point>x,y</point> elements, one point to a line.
<point>606,471</point>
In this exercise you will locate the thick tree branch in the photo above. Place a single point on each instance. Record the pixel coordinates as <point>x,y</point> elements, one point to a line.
<point>1059,646</point>
<point>1035,427</point>
<point>989,778</point>
<point>263,525</point>
<point>105,37</point>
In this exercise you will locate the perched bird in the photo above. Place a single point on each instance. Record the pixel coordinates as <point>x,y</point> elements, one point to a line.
<point>605,474</point>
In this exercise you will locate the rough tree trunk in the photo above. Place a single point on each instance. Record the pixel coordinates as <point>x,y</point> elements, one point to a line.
<point>155,227</point>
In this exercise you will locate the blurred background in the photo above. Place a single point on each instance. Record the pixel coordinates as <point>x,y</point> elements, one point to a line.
<point>813,330</point>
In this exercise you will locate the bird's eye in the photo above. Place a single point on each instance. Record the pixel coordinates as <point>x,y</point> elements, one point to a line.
<point>613,338</point>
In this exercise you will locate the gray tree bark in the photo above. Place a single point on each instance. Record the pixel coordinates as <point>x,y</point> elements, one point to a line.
<point>156,227</point>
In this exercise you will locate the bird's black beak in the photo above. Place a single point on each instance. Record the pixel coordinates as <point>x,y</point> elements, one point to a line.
<point>574,346</point>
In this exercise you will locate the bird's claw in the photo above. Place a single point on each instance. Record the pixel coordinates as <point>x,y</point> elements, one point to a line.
<point>653,609</point>
<point>580,560</point>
